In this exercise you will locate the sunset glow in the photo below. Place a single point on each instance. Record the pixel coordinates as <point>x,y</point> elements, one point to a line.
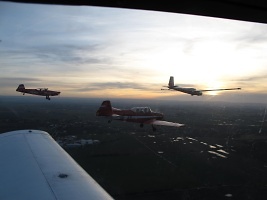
<point>120,53</point>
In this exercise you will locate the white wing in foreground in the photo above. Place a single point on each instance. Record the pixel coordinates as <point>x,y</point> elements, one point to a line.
<point>34,166</point>
<point>165,123</point>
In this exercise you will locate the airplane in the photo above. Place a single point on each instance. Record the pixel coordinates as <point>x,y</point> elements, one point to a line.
<point>34,166</point>
<point>39,91</point>
<point>142,115</point>
<point>192,91</point>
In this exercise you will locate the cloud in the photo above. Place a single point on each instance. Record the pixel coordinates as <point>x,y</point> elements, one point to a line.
<point>189,44</point>
<point>66,53</point>
<point>10,84</point>
<point>253,78</point>
<point>256,81</point>
<point>75,48</point>
<point>55,60</point>
<point>15,81</point>
<point>70,54</point>
<point>254,35</point>
<point>114,85</point>
<point>22,79</point>
<point>252,84</point>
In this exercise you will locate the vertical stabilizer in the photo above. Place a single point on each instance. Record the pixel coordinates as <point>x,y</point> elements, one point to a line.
<point>171,82</point>
<point>20,88</point>
<point>105,109</point>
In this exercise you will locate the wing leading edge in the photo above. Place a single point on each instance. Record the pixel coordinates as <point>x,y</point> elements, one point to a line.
<point>34,166</point>
<point>220,89</point>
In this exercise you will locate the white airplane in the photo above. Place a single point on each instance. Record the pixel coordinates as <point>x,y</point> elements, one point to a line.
<point>192,91</point>
<point>34,166</point>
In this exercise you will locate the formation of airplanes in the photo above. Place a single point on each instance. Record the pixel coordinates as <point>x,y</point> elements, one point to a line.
<point>46,171</point>
<point>141,115</point>
<point>39,91</point>
<point>192,91</point>
<point>64,179</point>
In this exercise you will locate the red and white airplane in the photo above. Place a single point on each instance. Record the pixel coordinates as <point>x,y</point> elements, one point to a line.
<point>40,91</point>
<point>142,115</point>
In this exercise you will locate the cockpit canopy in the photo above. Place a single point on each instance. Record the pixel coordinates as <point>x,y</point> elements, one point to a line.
<point>192,89</point>
<point>43,89</point>
<point>141,110</point>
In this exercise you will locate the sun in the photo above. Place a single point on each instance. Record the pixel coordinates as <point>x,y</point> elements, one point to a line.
<point>213,85</point>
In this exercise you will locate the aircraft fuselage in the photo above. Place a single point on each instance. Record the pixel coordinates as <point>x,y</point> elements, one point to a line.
<point>191,91</point>
<point>138,115</point>
<point>41,92</point>
<point>142,115</point>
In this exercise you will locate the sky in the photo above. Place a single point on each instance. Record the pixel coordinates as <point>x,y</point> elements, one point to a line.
<point>86,51</point>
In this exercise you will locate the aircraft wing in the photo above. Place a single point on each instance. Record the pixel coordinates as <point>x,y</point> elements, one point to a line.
<point>115,117</point>
<point>220,89</point>
<point>34,166</point>
<point>164,123</point>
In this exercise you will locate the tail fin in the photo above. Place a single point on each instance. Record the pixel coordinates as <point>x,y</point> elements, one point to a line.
<point>20,88</point>
<point>171,82</point>
<point>105,109</point>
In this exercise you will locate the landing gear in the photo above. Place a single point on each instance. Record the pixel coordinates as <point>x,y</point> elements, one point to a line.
<point>47,97</point>
<point>141,125</point>
<point>23,93</point>
<point>154,128</point>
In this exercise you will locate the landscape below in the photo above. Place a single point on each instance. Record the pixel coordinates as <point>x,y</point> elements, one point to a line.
<point>221,153</point>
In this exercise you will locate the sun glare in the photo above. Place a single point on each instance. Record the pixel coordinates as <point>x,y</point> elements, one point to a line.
<point>213,85</point>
